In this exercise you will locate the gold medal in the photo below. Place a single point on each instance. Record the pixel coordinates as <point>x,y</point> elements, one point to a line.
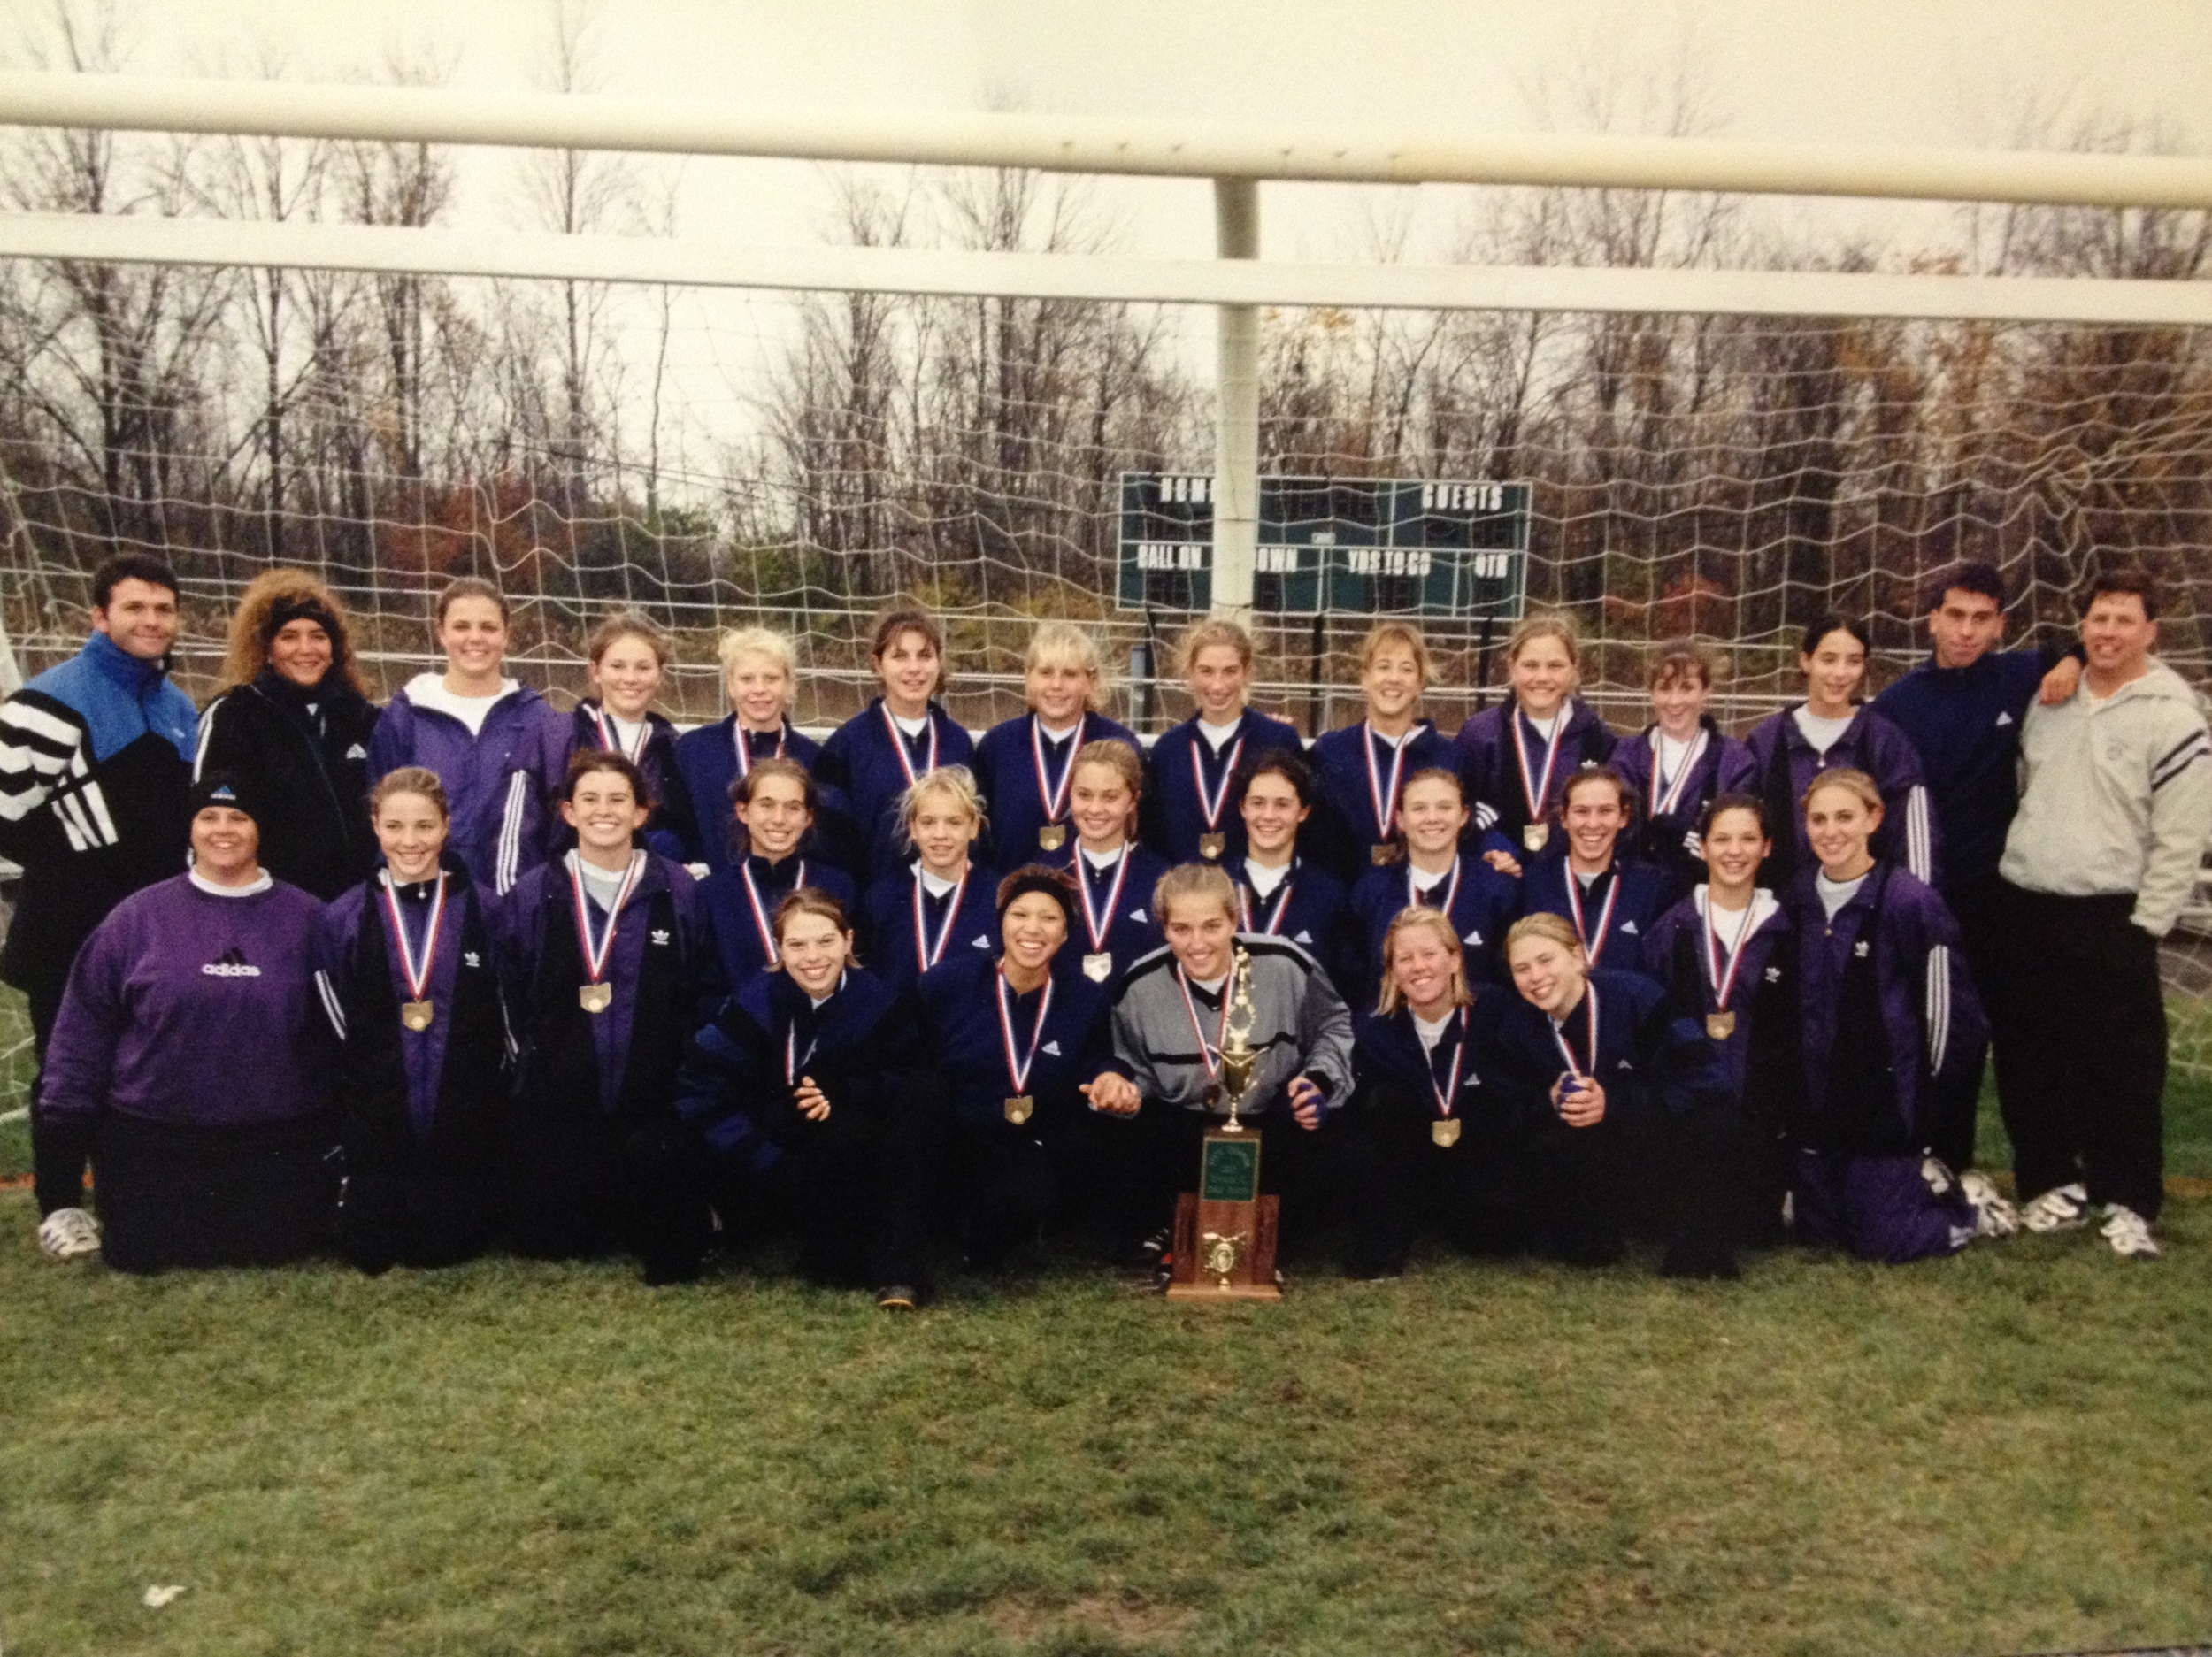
<point>1534,836</point>
<point>1720,1025</point>
<point>416,1015</point>
<point>1018,1108</point>
<point>1445,1131</point>
<point>1098,968</point>
<point>1051,837</point>
<point>1382,853</point>
<point>1211,845</point>
<point>595,997</point>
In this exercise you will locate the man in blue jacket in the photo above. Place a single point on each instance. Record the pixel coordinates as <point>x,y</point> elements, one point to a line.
<point>95,775</point>
<point>1962,709</point>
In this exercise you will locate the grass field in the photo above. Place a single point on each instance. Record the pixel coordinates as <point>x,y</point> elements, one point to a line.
<point>2002,1452</point>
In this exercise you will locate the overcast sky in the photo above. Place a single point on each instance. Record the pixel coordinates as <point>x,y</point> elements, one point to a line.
<point>1937,71</point>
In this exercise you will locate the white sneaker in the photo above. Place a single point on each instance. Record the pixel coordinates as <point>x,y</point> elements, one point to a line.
<point>1994,1215</point>
<point>2061,1208</point>
<point>68,1234</point>
<point>2128,1233</point>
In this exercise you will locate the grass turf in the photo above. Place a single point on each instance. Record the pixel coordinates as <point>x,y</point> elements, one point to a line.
<point>1999,1453</point>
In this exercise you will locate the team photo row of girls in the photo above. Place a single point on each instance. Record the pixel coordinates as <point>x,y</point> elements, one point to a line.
<point>471,971</point>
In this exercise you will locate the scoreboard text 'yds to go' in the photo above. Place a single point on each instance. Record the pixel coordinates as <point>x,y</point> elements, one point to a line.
<point>1333,545</point>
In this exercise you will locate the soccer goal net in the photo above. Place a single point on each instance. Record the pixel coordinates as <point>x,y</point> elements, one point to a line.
<point>720,458</point>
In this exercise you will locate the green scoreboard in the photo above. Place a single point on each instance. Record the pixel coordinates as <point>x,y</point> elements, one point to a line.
<point>1333,545</point>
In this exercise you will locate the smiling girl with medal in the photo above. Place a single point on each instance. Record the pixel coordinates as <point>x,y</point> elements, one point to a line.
<point>1727,955</point>
<point>1591,1064</point>
<point>1516,757</point>
<point>1477,898</point>
<point>600,953</point>
<point>1025,766</point>
<point>626,660</point>
<point>412,989</point>
<point>1678,766</point>
<point>758,673</point>
<point>873,758</point>
<point>1187,811</point>
<point>1421,1100</point>
<point>1362,766</point>
<point>1012,1037</point>
<point>1114,875</point>
<point>1888,1014</point>
<point>1833,729</point>
<point>805,1099</point>
<point>500,748</point>
<point>1610,901</point>
<point>938,909</point>
<point>1280,892</point>
<point>776,856</point>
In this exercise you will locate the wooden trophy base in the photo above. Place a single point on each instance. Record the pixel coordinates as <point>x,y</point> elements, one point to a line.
<point>1250,1226</point>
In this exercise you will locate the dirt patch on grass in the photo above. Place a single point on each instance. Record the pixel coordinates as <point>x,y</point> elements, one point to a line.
<point>1124,1618</point>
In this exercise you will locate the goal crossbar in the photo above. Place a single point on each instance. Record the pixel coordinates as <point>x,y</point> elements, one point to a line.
<point>1376,153</point>
<point>299,244</point>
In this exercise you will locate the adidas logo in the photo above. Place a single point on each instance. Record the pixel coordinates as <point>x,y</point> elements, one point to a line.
<point>223,791</point>
<point>470,958</point>
<point>2004,718</point>
<point>357,752</point>
<point>1304,938</point>
<point>983,941</point>
<point>1628,927</point>
<point>660,934</point>
<point>1053,1048</point>
<point>1859,948</point>
<point>231,964</point>
<point>1473,938</point>
<point>1138,914</point>
<point>1774,975</point>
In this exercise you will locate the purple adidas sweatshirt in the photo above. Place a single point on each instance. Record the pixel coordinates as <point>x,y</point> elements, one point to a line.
<point>189,1007</point>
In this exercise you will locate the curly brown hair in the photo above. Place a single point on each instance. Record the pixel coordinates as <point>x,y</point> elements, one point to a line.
<point>250,631</point>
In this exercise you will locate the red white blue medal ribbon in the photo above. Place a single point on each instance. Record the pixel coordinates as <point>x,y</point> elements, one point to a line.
<point>418,977</point>
<point>745,744</point>
<point>761,925</point>
<point>1592,948</point>
<point>1092,925</point>
<point>1559,1035</point>
<point>1446,1096</point>
<point>1211,808</point>
<point>598,950</point>
<point>1416,897</point>
<point>1723,983</point>
<point>926,956</point>
<point>1054,799</point>
<point>898,742</point>
<point>1384,798</point>
<point>1210,1056</point>
<point>610,739</point>
<point>1663,807</point>
<point>1536,791</point>
<point>1278,907</point>
<point>1018,1068</point>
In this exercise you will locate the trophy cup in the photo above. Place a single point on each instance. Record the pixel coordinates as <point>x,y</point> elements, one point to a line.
<point>1225,1231</point>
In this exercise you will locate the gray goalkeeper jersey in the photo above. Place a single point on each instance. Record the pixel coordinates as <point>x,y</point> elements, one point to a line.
<point>1300,1026</point>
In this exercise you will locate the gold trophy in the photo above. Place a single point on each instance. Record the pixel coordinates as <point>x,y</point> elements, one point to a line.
<point>1225,1230</point>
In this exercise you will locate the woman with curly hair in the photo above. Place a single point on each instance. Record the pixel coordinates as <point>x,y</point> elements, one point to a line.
<point>293,725</point>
